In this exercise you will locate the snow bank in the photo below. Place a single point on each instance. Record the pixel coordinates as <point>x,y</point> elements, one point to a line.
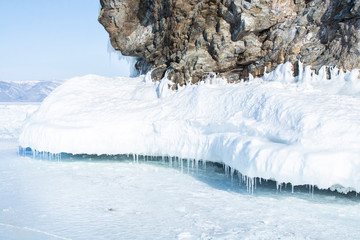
<point>297,130</point>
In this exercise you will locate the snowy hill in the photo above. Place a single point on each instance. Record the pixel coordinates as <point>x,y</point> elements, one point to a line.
<point>26,91</point>
<point>303,130</point>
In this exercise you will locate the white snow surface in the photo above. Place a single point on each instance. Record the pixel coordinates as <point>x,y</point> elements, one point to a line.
<point>303,130</point>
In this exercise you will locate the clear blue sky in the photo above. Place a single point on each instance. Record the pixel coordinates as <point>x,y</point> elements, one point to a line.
<point>54,39</point>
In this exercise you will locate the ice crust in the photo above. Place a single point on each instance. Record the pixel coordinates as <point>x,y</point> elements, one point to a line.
<point>303,130</point>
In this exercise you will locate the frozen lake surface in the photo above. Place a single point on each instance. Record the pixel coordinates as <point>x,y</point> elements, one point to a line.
<point>82,197</point>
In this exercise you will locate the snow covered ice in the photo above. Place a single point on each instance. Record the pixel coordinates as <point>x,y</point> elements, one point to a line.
<point>114,197</point>
<point>303,130</point>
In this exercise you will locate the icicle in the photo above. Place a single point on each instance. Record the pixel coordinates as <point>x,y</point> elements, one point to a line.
<point>312,192</point>
<point>188,165</point>
<point>232,170</point>
<point>292,188</point>
<point>252,186</point>
<point>232,176</point>
<point>247,184</point>
<point>226,170</point>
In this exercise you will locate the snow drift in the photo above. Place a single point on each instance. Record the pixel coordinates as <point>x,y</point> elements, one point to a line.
<point>303,130</point>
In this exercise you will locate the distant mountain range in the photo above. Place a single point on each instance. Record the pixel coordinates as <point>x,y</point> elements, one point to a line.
<point>26,91</point>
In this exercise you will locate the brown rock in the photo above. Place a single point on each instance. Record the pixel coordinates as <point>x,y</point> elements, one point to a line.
<point>234,38</point>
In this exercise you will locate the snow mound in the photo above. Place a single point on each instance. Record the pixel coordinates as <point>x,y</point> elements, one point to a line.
<point>297,130</point>
<point>26,91</point>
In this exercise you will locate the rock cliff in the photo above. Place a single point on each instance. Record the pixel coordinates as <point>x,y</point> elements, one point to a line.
<point>233,38</point>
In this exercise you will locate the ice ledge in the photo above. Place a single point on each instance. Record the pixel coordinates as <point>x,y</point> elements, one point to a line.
<point>187,166</point>
<point>301,130</point>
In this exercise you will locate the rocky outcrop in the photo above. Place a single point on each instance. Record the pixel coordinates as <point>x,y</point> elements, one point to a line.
<point>234,38</point>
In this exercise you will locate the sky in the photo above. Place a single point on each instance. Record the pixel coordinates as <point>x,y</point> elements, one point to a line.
<point>54,40</point>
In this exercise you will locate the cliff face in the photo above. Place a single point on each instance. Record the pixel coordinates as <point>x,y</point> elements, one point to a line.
<point>233,37</point>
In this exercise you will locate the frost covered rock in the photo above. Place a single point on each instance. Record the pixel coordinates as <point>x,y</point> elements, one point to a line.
<point>190,38</point>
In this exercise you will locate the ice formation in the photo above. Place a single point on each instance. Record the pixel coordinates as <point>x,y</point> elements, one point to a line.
<point>303,130</point>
